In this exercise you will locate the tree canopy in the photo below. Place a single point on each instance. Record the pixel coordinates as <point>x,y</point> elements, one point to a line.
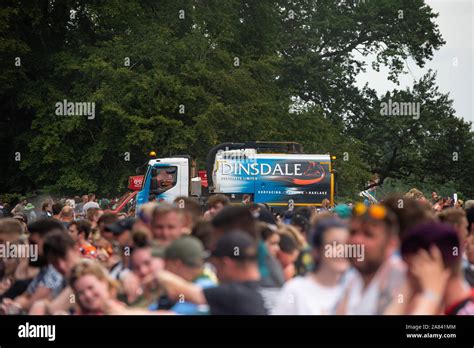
<point>181,76</point>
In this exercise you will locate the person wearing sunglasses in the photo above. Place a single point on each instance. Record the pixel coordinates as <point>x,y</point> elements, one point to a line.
<point>380,271</point>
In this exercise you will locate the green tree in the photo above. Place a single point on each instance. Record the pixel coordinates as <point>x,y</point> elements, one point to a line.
<point>180,76</point>
<point>433,147</point>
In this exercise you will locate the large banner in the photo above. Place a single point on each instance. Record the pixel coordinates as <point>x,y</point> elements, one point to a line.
<point>276,180</point>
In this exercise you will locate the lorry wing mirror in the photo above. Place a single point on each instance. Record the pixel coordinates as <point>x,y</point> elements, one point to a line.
<point>142,169</point>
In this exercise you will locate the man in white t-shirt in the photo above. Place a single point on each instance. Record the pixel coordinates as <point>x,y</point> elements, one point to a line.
<point>380,273</point>
<point>318,292</point>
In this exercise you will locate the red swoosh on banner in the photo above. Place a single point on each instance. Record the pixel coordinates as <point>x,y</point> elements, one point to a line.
<point>307,181</point>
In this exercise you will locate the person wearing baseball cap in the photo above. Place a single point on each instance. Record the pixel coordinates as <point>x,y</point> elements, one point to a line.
<point>29,210</point>
<point>235,260</point>
<point>120,234</point>
<point>185,258</point>
<point>121,231</point>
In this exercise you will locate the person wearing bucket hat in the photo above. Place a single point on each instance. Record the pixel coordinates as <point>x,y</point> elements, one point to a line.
<point>90,205</point>
<point>30,212</point>
<point>29,206</point>
<point>343,211</point>
<point>235,259</point>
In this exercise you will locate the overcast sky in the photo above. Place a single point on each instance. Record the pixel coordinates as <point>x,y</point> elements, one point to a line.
<point>456,24</point>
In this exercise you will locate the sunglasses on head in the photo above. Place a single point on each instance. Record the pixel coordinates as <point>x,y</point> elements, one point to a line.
<point>375,211</point>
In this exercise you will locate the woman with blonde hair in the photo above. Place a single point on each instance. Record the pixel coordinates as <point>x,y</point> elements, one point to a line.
<point>94,289</point>
<point>415,194</point>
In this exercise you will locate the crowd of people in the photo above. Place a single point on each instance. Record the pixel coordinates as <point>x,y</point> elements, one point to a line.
<point>405,255</point>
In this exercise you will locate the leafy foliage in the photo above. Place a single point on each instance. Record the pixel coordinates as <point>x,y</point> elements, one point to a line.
<point>202,72</point>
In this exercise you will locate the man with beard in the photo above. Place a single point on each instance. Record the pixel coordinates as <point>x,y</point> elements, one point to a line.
<point>381,273</point>
<point>49,282</point>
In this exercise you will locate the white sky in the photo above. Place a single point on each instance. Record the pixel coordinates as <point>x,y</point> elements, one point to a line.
<point>456,25</point>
